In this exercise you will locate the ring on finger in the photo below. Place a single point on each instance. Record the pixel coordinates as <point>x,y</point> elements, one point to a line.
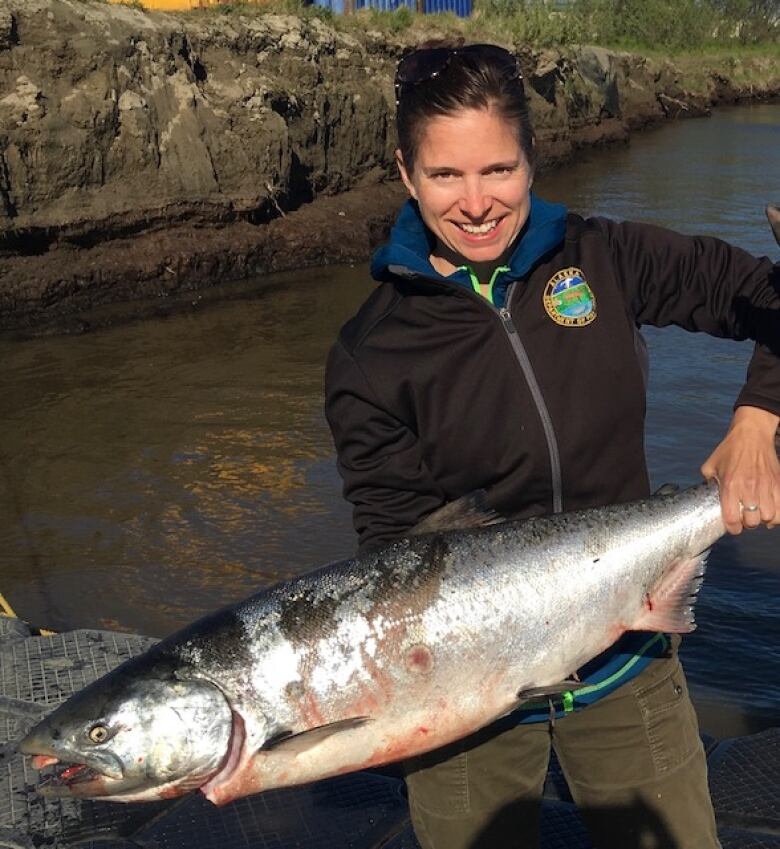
<point>750,508</point>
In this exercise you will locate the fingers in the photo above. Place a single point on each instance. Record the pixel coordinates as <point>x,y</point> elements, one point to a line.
<point>709,470</point>
<point>732,509</point>
<point>766,502</point>
<point>775,522</point>
<point>730,503</point>
<point>747,505</point>
<point>770,504</point>
<point>769,493</point>
<point>747,470</point>
<point>751,514</point>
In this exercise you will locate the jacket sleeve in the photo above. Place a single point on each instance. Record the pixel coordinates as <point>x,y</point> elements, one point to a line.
<point>379,457</point>
<point>703,284</point>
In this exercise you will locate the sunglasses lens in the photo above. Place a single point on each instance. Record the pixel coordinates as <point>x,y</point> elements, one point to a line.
<point>429,62</point>
<point>422,65</point>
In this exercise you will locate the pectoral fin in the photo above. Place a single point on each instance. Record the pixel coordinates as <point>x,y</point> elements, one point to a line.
<point>669,605</point>
<point>550,691</point>
<point>470,511</point>
<point>295,743</point>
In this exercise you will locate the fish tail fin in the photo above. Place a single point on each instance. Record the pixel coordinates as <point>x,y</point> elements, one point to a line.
<point>669,605</point>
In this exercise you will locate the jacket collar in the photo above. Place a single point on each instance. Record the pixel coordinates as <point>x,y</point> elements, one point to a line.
<point>407,252</point>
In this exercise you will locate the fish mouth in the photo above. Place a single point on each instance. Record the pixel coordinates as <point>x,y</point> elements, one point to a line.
<point>69,778</point>
<point>65,775</point>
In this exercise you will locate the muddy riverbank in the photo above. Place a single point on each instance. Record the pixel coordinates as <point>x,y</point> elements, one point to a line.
<point>152,156</point>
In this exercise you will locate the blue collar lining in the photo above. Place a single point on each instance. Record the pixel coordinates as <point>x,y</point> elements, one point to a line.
<point>407,253</point>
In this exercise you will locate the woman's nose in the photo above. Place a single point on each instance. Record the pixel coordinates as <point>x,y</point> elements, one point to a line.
<point>475,201</point>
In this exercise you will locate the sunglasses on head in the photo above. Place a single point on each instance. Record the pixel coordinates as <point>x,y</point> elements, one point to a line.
<point>429,62</point>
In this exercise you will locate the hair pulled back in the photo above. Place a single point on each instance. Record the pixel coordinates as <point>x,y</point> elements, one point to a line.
<point>469,81</point>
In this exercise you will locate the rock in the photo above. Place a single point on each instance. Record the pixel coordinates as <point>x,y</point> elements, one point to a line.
<point>130,100</point>
<point>8,34</point>
<point>21,105</point>
<point>675,107</point>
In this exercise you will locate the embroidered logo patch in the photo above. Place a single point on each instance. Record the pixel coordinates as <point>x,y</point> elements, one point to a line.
<point>568,299</point>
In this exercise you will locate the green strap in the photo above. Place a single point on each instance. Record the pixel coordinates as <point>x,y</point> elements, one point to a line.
<point>625,667</point>
<point>568,697</point>
<point>472,277</point>
<point>475,285</point>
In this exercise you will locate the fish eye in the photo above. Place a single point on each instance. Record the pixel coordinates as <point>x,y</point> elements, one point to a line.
<point>98,734</point>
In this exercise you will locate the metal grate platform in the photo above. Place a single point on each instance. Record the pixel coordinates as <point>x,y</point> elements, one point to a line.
<point>735,838</point>
<point>359,811</point>
<point>561,826</point>
<point>744,782</point>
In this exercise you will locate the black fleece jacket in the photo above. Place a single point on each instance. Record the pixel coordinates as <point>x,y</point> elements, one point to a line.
<point>428,400</point>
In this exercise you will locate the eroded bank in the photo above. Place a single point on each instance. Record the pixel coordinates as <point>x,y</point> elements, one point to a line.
<point>149,155</point>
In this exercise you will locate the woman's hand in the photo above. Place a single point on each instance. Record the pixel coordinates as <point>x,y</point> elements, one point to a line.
<point>747,469</point>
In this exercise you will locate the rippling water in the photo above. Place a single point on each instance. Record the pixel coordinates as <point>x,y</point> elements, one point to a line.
<point>154,471</point>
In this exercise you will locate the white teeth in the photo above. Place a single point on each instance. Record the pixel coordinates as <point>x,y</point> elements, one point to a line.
<point>479,229</point>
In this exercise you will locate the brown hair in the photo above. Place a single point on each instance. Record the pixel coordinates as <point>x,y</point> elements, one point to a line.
<point>469,81</point>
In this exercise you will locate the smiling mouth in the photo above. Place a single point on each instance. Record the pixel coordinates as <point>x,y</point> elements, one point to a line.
<point>478,229</point>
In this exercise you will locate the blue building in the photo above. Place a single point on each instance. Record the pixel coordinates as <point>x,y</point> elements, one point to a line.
<point>340,7</point>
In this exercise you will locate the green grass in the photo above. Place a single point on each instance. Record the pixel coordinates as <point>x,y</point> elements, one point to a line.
<point>663,27</point>
<point>671,26</point>
<point>297,8</point>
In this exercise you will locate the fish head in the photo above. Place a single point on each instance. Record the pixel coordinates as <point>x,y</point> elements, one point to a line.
<point>133,738</point>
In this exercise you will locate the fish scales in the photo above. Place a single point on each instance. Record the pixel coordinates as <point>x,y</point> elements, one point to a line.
<point>387,655</point>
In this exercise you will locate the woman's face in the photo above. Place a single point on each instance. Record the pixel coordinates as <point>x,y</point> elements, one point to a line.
<point>472,181</point>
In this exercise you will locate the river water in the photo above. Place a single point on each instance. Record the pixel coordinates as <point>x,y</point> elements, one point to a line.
<point>157,470</point>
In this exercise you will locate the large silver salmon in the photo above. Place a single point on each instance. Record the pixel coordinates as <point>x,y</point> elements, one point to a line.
<point>381,657</point>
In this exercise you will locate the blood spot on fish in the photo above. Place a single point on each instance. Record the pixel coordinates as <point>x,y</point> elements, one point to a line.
<point>419,659</point>
<point>366,704</point>
<point>423,730</point>
<point>310,710</point>
<point>394,750</point>
<point>173,792</point>
<point>648,601</point>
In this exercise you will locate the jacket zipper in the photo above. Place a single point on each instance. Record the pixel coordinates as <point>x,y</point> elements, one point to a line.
<point>549,431</point>
<point>528,372</point>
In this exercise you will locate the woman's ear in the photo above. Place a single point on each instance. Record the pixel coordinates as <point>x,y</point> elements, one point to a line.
<point>405,176</point>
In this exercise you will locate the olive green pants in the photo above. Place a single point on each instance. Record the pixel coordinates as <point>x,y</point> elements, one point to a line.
<point>634,763</point>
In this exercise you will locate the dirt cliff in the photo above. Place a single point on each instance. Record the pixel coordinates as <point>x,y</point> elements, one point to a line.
<point>144,154</point>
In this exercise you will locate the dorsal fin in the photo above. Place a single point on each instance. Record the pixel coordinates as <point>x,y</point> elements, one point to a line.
<point>470,511</point>
<point>667,489</point>
<point>773,214</point>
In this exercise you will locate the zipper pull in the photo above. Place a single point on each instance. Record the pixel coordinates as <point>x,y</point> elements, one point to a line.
<point>506,317</point>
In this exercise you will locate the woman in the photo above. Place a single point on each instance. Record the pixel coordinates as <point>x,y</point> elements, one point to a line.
<point>500,352</point>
